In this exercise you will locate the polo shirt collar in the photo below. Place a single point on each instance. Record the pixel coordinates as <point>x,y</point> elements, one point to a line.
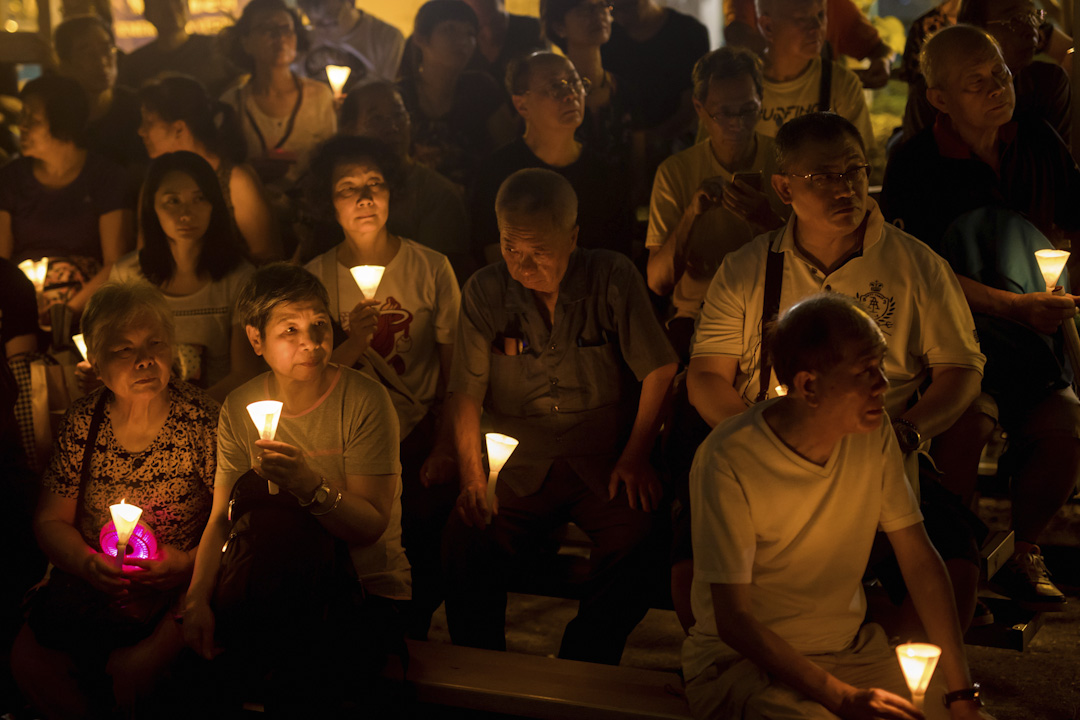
<point>875,230</point>
<point>952,146</point>
<point>573,287</point>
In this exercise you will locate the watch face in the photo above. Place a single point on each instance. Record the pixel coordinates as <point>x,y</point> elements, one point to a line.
<point>322,494</point>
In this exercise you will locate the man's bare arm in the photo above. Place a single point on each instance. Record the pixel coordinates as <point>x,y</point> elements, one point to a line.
<point>710,383</point>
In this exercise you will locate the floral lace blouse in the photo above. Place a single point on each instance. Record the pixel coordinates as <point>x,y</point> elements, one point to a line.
<point>172,480</point>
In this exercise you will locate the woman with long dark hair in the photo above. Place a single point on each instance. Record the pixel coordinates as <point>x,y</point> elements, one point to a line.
<point>191,252</point>
<point>177,114</point>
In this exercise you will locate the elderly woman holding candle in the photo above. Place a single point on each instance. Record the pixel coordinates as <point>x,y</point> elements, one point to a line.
<point>401,330</point>
<point>147,441</point>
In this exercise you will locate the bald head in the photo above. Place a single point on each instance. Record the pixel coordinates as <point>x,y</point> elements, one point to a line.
<point>951,50</point>
<point>537,196</point>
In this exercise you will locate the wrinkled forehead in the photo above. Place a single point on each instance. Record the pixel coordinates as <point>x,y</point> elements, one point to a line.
<point>533,231</point>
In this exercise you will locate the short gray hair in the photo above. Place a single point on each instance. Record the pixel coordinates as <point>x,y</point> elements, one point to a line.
<point>726,62</point>
<point>941,51</point>
<point>273,285</point>
<point>118,305</point>
<point>537,192</point>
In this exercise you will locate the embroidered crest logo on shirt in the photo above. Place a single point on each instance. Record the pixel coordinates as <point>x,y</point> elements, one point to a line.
<point>878,306</point>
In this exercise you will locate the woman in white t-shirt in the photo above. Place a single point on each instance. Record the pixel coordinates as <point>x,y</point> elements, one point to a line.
<point>282,114</point>
<point>402,335</point>
<point>191,252</point>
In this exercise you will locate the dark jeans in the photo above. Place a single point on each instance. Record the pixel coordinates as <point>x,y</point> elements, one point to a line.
<point>479,562</point>
<point>423,515</point>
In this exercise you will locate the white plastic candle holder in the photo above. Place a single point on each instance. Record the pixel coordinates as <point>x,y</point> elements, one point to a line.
<point>917,662</point>
<point>1051,264</point>
<point>338,75</point>
<point>36,270</point>
<point>125,517</point>
<point>80,343</point>
<point>499,448</point>
<point>367,278</point>
<point>266,414</point>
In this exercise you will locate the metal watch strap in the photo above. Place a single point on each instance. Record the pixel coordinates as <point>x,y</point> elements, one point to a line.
<point>309,503</point>
<point>329,509</point>
<point>972,693</point>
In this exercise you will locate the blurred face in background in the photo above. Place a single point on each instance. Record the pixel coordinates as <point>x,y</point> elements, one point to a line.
<point>182,208</point>
<point>35,140</point>
<point>451,45</point>
<point>92,62</point>
<point>555,99</point>
<point>272,40</point>
<point>795,26</point>
<point>587,24</point>
<point>1015,25</point>
<point>382,115</point>
<point>729,114</point>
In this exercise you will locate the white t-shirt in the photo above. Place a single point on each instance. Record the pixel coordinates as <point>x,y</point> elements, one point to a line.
<point>316,120</point>
<point>351,430</point>
<point>419,301</point>
<point>905,286</point>
<point>783,101</point>
<point>205,321</point>
<point>797,533</point>
<point>372,49</point>
<point>715,233</point>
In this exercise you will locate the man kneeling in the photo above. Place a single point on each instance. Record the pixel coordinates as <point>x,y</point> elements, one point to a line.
<point>785,499</point>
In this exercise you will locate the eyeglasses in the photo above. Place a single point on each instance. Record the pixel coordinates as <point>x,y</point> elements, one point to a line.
<point>595,8</point>
<point>740,116</point>
<point>566,87</point>
<point>826,180</point>
<point>1032,20</point>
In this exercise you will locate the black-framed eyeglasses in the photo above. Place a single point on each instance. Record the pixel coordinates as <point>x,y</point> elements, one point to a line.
<point>824,180</point>
<point>744,115</point>
<point>566,87</point>
<point>1032,19</point>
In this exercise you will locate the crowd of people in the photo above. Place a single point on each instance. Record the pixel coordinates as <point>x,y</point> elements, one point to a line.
<point>659,268</point>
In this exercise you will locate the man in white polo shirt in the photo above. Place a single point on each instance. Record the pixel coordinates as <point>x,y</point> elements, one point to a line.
<point>837,240</point>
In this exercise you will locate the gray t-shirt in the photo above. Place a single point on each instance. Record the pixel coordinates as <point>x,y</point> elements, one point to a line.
<point>351,430</point>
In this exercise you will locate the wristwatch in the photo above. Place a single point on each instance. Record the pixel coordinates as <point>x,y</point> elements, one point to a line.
<point>321,495</point>
<point>972,693</point>
<point>907,435</point>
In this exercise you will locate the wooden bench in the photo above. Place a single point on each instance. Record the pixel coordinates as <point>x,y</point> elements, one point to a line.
<point>539,687</point>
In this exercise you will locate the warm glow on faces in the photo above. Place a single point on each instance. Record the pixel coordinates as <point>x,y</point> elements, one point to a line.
<point>796,27</point>
<point>451,44</point>
<point>272,40</point>
<point>135,361</point>
<point>182,209</point>
<point>536,253</point>
<point>587,24</point>
<point>34,136</point>
<point>158,136</point>
<point>836,209</point>
<point>298,340</point>
<point>556,97</point>
<point>383,116</point>
<point>361,198</point>
<point>978,93</point>
<point>851,395</point>
<point>730,112</point>
<point>93,61</point>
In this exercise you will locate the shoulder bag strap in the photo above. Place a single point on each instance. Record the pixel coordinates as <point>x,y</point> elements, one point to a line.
<point>825,87</point>
<point>774,280</point>
<point>88,450</point>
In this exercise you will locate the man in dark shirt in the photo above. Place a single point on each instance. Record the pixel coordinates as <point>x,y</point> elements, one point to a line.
<point>939,187</point>
<point>560,346</point>
<point>549,95</point>
<point>174,50</point>
<point>655,48</point>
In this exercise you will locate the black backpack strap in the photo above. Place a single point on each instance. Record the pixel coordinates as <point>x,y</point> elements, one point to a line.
<point>774,280</point>
<point>825,86</point>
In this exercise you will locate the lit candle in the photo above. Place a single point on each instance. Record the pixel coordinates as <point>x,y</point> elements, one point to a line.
<point>125,517</point>
<point>917,662</point>
<point>80,342</point>
<point>1051,264</point>
<point>499,447</point>
<point>266,414</point>
<point>338,75</point>
<point>367,278</point>
<point>36,270</point>
<point>780,391</point>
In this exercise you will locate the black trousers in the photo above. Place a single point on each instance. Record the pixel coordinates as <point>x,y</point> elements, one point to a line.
<point>479,563</point>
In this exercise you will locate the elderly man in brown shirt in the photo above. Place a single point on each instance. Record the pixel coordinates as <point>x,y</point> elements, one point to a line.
<point>559,345</point>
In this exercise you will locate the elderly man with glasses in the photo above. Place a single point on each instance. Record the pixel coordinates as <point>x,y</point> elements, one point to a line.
<point>712,198</point>
<point>549,95</point>
<point>837,241</point>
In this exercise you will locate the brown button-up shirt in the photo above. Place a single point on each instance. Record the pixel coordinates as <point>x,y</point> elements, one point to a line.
<point>569,391</point>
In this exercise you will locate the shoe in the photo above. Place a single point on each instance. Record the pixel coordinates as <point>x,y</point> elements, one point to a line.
<point>983,615</point>
<point>1026,580</point>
